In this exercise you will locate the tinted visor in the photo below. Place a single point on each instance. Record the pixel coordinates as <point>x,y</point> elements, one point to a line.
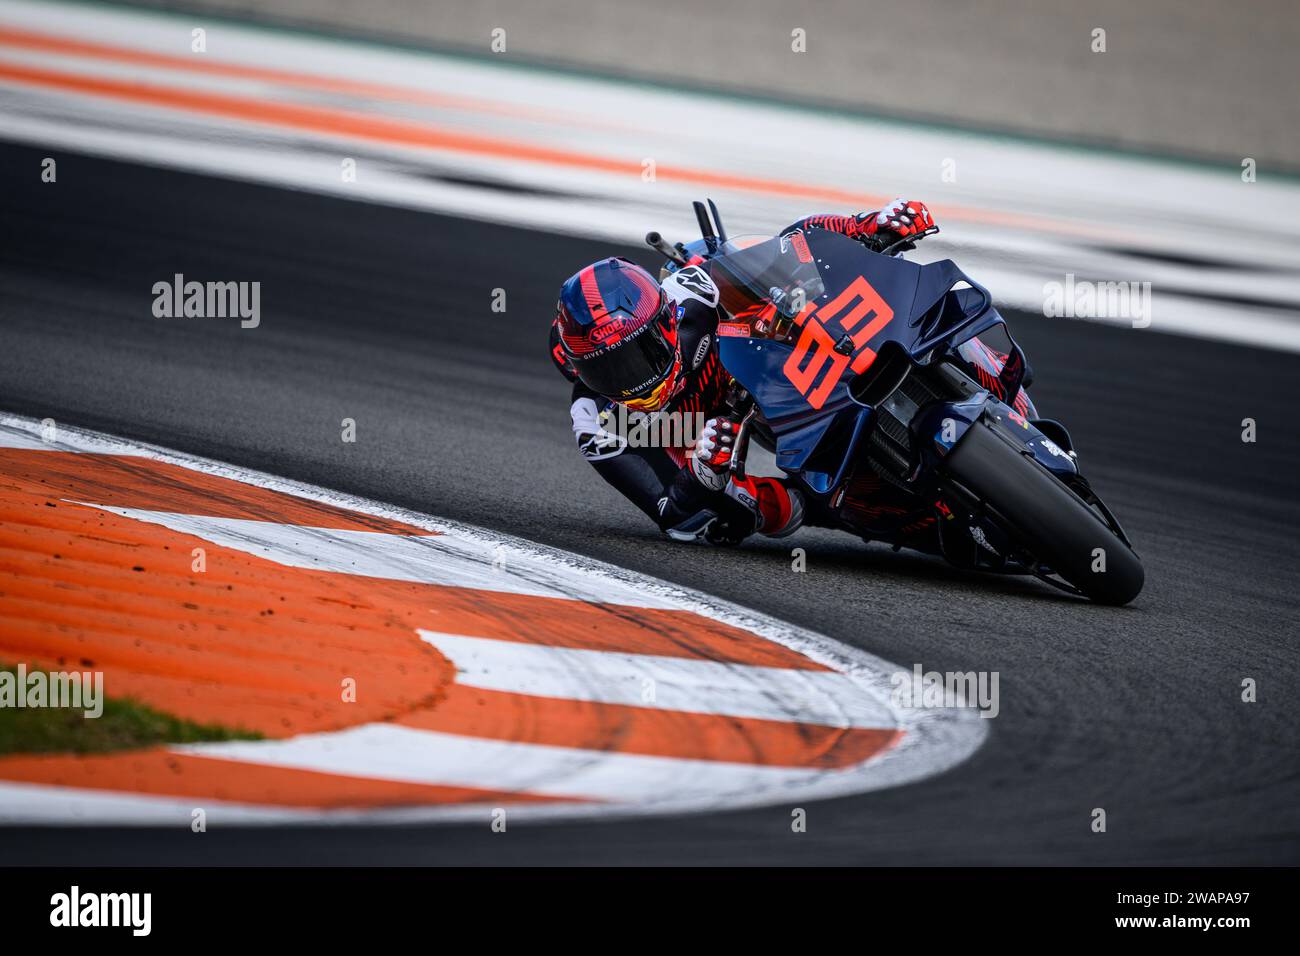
<point>630,368</point>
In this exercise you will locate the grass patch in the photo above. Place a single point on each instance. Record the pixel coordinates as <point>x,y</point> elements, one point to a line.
<point>125,724</point>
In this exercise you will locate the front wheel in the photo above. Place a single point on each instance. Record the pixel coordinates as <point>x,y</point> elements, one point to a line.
<point>1048,519</point>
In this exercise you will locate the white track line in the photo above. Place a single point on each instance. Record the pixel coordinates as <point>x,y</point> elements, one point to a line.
<point>679,684</point>
<point>410,755</point>
<point>444,559</point>
<point>25,803</point>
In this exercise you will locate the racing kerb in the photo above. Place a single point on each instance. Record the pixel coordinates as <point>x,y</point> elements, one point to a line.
<point>485,672</point>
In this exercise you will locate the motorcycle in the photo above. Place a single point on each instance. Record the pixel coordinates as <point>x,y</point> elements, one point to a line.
<point>892,395</point>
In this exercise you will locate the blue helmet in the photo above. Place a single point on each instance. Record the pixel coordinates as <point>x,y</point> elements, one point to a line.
<point>618,333</point>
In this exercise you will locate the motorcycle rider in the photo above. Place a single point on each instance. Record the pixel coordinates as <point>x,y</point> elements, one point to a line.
<point>624,339</point>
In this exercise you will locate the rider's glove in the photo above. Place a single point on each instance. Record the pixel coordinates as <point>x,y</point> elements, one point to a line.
<point>711,457</point>
<point>897,226</point>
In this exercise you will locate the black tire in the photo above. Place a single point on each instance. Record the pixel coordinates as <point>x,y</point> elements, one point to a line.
<point>1047,518</point>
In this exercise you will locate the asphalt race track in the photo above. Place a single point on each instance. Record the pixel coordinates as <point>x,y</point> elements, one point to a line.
<point>384,315</point>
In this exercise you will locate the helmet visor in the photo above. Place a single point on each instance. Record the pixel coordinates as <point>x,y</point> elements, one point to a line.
<point>629,368</point>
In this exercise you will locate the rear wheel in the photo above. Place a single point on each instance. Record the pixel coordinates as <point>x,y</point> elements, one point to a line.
<point>1048,519</point>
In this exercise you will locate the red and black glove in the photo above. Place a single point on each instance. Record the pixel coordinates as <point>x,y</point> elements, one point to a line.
<point>711,457</point>
<point>897,226</point>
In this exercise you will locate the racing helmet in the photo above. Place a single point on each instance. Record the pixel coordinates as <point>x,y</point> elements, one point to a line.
<point>618,333</point>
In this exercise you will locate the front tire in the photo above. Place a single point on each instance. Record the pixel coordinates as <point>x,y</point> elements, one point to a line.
<point>1048,519</point>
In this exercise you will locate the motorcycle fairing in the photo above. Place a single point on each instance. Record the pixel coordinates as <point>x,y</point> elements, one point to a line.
<point>867,300</point>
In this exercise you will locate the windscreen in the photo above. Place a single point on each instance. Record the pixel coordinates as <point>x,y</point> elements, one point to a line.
<point>780,273</point>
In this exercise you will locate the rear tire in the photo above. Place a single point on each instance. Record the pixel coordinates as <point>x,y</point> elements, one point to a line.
<point>1047,518</point>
